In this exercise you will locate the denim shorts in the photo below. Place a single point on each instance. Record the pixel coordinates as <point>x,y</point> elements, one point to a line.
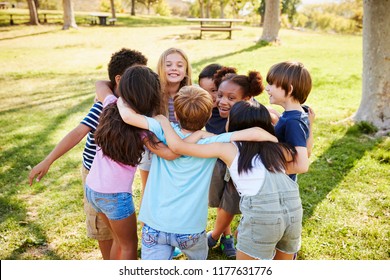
<point>116,206</point>
<point>271,220</point>
<point>159,245</point>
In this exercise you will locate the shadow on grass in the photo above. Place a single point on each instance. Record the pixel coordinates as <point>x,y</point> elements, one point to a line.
<point>14,211</point>
<point>31,34</point>
<point>332,166</point>
<point>19,107</point>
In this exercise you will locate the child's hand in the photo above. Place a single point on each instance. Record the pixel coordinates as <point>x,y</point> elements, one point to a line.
<point>275,115</point>
<point>38,171</point>
<point>312,115</point>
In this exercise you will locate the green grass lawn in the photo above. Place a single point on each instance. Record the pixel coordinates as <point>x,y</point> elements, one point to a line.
<point>47,86</point>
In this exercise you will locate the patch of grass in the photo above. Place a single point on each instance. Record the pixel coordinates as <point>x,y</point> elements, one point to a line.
<point>48,76</point>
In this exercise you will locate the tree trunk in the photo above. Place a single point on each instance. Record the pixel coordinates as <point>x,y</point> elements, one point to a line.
<point>222,6</point>
<point>33,12</point>
<point>208,6</point>
<point>374,107</point>
<point>113,14</point>
<point>69,19</point>
<point>132,8</point>
<point>271,21</point>
<point>201,8</point>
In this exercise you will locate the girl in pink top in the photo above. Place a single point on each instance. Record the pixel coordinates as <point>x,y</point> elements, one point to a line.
<point>120,147</point>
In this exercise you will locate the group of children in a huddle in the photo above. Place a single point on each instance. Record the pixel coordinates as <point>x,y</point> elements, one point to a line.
<point>244,162</point>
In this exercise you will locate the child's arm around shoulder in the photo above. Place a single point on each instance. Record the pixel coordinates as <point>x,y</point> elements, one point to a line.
<point>103,89</point>
<point>301,162</point>
<point>255,134</point>
<point>130,116</point>
<point>213,150</point>
<point>197,135</point>
<point>161,150</point>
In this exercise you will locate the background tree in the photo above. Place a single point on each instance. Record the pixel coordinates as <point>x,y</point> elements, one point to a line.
<point>222,5</point>
<point>113,13</point>
<point>289,8</point>
<point>132,12</point>
<point>271,21</point>
<point>33,12</point>
<point>148,4</point>
<point>261,11</point>
<point>374,106</point>
<point>69,18</point>
<point>201,8</point>
<point>237,6</point>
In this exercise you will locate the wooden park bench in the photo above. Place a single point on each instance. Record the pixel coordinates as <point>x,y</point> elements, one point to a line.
<point>215,25</point>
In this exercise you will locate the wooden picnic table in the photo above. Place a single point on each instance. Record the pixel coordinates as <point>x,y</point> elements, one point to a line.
<point>216,25</point>
<point>4,5</point>
<point>102,18</point>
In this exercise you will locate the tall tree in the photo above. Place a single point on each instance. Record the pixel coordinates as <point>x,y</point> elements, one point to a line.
<point>132,8</point>
<point>289,7</point>
<point>208,8</point>
<point>374,106</point>
<point>222,5</point>
<point>113,13</point>
<point>271,21</point>
<point>33,12</point>
<point>69,18</point>
<point>201,8</point>
<point>261,11</point>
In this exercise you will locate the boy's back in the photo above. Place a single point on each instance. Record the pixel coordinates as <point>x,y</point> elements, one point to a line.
<point>176,194</point>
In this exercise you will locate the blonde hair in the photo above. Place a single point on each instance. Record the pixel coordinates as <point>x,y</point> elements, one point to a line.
<point>187,81</point>
<point>193,106</point>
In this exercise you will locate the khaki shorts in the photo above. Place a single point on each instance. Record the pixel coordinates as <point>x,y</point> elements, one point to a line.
<point>223,194</point>
<point>96,228</point>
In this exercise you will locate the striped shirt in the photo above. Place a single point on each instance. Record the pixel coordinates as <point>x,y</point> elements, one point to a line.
<point>171,111</point>
<point>92,121</point>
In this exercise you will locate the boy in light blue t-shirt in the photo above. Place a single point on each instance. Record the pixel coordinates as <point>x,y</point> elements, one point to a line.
<point>174,205</point>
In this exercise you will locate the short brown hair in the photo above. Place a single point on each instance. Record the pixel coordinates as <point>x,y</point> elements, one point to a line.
<point>193,106</point>
<point>290,73</point>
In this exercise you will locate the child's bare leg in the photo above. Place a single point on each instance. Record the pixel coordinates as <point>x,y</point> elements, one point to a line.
<point>242,256</point>
<point>283,256</point>
<point>105,248</point>
<point>222,224</point>
<point>125,231</point>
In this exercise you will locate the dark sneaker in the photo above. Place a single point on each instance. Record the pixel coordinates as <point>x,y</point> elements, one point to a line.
<point>211,241</point>
<point>227,246</point>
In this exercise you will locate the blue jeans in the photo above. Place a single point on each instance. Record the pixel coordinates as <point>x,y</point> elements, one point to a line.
<point>159,245</point>
<point>116,206</point>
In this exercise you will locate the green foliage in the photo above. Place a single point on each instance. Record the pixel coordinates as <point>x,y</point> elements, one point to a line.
<point>344,17</point>
<point>383,152</point>
<point>105,6</point>
<point>162,8</point>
